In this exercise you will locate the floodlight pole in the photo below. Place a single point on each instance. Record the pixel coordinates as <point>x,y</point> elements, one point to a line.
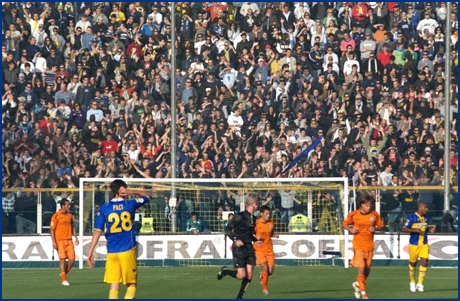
<point>447,121</point>
<point>173,114</point>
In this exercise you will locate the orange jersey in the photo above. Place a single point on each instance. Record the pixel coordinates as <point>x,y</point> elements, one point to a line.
<point>364,239</point>
<point>62,223</point>
<point>264,231</point>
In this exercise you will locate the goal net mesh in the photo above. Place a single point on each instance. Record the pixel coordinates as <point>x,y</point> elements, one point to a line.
<point>322,201</point>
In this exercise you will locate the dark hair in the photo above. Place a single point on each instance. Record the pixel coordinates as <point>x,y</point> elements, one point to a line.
<point>366,198</point>
<point>63,201</point>
<point>264,208</point>
<point>421,204</point>
<point>116,185</point>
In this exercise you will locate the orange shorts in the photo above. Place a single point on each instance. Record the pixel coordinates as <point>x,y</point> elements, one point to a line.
<point>265,256</point>
<point>362,259</point>
<point>66,249</point>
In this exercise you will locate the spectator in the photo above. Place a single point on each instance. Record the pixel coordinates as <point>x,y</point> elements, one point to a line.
<point>194,224</point>
<point>299,222</point>
<point>254,82</point>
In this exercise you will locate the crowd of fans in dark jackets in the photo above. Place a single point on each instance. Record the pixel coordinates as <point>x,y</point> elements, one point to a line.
<point>87,93</point>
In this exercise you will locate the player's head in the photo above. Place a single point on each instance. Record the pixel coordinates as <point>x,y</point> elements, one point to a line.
<point>65,204</point>
<point>251,203</point>
<point>116,185</point>
<point>422,208</point>
<point>366,203</point>
<point>265,213</point>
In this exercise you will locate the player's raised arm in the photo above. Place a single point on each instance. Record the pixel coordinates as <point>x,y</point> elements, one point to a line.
<point>124,192</point>
<point>137,192</point>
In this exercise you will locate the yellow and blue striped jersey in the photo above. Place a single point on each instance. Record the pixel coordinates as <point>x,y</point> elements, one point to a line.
<point>416,221</point>
<point>118,217</point>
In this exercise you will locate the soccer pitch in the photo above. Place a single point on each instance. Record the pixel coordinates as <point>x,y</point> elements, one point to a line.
<point>288,282</point>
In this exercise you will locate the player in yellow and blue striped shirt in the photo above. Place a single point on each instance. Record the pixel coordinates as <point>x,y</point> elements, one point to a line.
<point>417,226</point>
<point>117,218</point>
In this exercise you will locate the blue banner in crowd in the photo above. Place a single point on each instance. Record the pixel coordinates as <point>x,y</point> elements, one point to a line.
<point>301,155</point>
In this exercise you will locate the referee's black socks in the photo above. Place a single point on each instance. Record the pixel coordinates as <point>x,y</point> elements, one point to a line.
<point>244,285</point>
<point>231,273</point>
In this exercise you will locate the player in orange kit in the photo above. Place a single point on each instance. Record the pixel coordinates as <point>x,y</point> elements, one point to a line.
<point>265,256</point>
<point>365,222</point>
<point>62,229</point>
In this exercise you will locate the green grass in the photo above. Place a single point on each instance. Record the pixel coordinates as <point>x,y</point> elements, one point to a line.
<point>288,282</point>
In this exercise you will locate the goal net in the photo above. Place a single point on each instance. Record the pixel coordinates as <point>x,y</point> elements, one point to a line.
<point>164,225</point>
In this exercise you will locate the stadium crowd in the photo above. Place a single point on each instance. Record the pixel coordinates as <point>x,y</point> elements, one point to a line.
<point>86,93</point>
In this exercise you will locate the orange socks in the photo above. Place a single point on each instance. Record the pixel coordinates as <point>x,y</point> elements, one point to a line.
<point>362,282</point>
<point>63,277</point>
<point>264,277</point>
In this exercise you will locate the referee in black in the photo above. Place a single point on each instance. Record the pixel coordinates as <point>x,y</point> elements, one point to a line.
<point>241,230</point>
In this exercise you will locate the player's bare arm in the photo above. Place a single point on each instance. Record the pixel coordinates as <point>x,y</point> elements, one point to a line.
<point>96,235</point>
<point>375,228</point>
<point>275,235</point>
<point>349,229</point>
<point>53,237</point>
<point>138,193</point>
<point>74,232</point>
<point>410,230</point>
<point>124,192</point>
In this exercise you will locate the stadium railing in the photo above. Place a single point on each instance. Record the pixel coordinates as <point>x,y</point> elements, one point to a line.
<point>32,219</point>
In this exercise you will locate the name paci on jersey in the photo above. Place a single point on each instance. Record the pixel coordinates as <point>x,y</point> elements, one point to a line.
<point>117,207</point>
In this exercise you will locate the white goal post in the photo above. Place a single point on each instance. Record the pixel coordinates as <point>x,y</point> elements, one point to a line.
<point>310,183</point>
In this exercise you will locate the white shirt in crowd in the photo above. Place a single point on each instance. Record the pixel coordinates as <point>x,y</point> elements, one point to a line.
<point>235,120</point>
<point>40,63</point>
<point>347,67</point>
<point>429,24</point>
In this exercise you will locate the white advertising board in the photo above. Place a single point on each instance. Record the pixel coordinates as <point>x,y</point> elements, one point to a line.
<point>39,248</point>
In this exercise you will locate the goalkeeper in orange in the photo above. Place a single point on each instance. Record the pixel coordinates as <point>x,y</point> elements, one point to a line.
<point>365,222</point>
<point>265,256</point>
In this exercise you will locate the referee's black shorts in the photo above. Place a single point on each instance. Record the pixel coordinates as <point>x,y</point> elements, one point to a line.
<point>243,256</point>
